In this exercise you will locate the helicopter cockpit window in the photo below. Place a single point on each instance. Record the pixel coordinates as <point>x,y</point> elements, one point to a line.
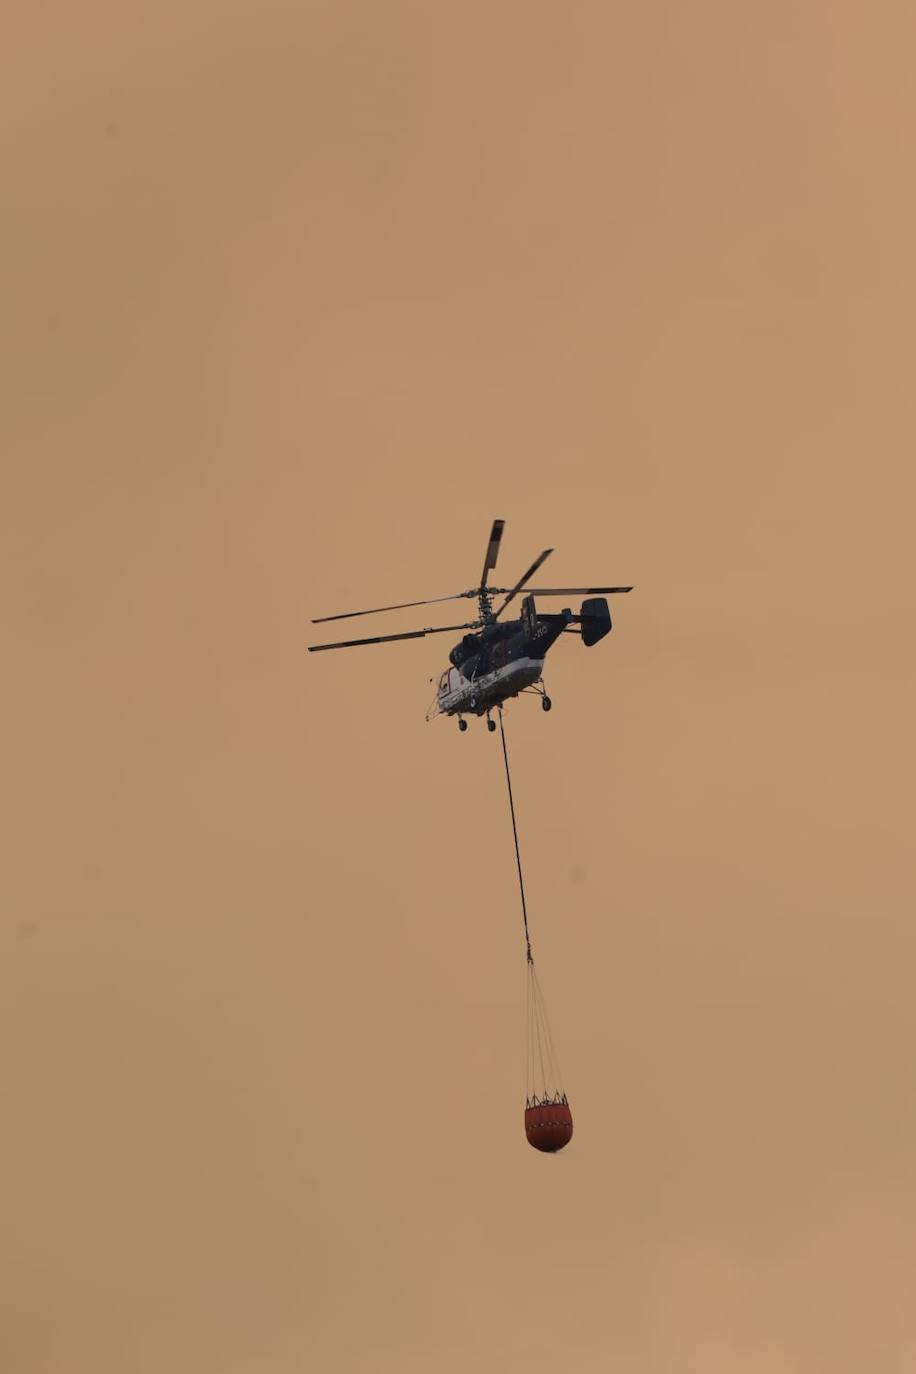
<point>443,682</point>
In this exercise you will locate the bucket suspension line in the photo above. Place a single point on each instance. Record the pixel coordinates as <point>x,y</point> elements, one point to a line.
<point>521,881</point>
<point>548,1119</point>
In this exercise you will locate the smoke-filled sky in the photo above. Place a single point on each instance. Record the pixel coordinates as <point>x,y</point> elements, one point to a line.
<point>296,299</point>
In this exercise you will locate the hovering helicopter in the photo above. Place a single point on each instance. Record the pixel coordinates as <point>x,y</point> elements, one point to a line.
<point>504,658</point>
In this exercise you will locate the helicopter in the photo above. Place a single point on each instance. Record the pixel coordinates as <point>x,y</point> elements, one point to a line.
<point>503,658</point>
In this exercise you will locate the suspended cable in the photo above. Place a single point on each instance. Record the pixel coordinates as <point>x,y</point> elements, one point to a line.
<point>521,881</point>
<point>548,1119</point>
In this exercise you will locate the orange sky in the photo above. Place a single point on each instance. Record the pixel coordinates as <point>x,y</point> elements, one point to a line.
<point>296,299</point>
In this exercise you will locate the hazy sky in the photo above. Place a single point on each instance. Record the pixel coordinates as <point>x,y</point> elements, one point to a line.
<point>296,299</point>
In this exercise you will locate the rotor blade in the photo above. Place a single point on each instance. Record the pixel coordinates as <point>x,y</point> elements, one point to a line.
<point>575,591</point>
<point>386,639</point>
<point>496,534</point>
<point>523,579</point>
<point>401,606</point>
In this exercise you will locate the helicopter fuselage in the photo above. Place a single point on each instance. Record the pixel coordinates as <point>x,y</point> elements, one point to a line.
<point>458,695</point>
<point>499,661</point>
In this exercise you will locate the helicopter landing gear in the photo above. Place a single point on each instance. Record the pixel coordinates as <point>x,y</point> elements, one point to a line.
<point>462,724</point>
<point>491,724</point>
<point>539,690</point>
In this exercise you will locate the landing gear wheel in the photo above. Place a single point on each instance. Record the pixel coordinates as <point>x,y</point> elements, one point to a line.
<point>546,703</point>
<point>491,724</point>
<point>462,725</point>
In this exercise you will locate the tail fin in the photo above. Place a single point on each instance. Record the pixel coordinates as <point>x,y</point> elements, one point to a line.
<point>595,619</point>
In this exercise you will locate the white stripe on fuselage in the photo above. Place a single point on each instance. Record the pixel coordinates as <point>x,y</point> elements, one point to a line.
<point>491,687</point>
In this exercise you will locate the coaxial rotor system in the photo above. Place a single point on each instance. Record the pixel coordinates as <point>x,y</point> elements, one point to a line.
<point>483,593</point>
